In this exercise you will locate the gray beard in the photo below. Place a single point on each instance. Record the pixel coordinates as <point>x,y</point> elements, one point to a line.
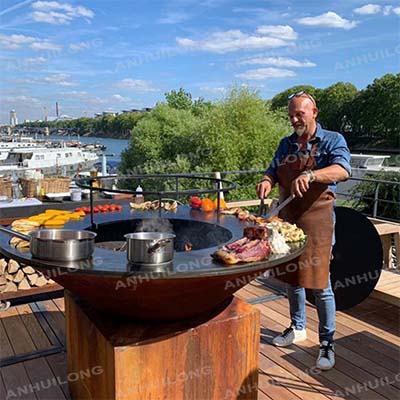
<point>301,131</point>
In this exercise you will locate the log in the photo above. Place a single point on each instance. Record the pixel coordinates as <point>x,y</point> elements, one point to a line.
<point>32,279</point>
<point>24,285</point>
<point>10,287</point>
<point>41,281</point>
<point>13,266</point>
<point>28,270</point>
<point>3,280</point>
<point>19,276</point>
<point>9,277</point>
<point>3,266</point>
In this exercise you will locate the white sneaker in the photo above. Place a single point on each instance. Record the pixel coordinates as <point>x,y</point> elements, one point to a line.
<point>326,357</point>
<point>289,336</point>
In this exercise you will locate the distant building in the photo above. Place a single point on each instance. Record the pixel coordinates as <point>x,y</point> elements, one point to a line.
<point>13,118</point>
<point>147,109</point>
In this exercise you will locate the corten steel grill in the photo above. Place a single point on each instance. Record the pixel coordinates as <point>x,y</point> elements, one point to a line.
<point>192,284</point>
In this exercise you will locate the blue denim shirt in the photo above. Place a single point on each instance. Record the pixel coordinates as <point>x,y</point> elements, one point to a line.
<point>331,149</point>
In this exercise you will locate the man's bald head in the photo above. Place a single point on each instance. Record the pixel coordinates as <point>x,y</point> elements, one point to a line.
<point>303,112</point>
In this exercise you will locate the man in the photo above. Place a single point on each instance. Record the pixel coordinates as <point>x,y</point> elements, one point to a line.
<point>308,164</point>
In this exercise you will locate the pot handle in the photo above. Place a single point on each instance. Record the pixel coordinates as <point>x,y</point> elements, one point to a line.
<point>158,245</point>
<point>14,233</point>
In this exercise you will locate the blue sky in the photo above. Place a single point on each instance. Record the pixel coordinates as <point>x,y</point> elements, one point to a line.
<point>94,56</point>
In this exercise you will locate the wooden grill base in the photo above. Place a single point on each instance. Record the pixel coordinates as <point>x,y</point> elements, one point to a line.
<point>213,357</point>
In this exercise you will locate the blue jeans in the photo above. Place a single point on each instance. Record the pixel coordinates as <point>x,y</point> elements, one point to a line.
<point>326,308</point>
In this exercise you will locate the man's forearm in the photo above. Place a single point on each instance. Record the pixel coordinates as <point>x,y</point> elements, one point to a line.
<point>333,173</point>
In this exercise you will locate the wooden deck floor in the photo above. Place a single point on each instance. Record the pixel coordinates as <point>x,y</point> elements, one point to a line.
<point>367,348</point>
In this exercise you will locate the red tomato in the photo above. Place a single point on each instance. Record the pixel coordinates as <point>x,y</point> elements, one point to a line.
<point>112,208</point>
<point>78,209</point>
<point>195,202</point>
<point>118,207</point>
<point>86,210</point>
<point>96,210</point>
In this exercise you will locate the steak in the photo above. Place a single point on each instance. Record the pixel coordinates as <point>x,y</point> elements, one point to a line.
<point>254,246</point>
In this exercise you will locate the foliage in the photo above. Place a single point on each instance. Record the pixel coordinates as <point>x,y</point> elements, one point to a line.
<point>388,206</point>
<point>180,99</point>
<point>281,99</point>
<point>376,111</point>
<point>237,133</point>
<point>332,103</point>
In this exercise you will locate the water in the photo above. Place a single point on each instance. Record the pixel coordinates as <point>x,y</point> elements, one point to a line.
<point>114,146</point>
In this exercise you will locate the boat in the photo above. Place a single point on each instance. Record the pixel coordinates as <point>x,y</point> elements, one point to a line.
<point>65,160</point>
<point>7,144</point>
<point>363,166</point>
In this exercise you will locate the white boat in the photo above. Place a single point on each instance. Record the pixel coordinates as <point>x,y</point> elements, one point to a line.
<point>64,160</point>
<point>19,143</point>
<point>364,165</point>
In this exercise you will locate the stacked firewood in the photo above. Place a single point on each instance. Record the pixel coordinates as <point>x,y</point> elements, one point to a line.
<point>15,276</point>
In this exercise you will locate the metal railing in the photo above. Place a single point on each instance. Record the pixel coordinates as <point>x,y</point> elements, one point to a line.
<point>348,198</point>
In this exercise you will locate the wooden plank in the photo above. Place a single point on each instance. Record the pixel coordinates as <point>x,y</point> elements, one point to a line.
<point>17,383</point>
<point>54,317</point>
<point>3,391</point>
<point>5,346</point>
<point>354,316</point>
<point>33,327</point>
<point>385,297</point>
<point>349,362</point>
<point>307,372</point>
<point>304,353</point>
<point>19,338</point>
<point>376,348</point>
<point>43,383</point>
<point>58,364</point>
<point>59,302</point>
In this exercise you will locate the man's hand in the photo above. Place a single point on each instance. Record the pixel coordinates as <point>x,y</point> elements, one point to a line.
<point>300,185</point>
<point>264,188</point>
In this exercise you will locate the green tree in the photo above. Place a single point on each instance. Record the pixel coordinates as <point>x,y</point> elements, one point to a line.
<point>333,102</point>
<point>376,111</point>
<point>237,133</point>
<point>180,99</point>
<point>281,99</point>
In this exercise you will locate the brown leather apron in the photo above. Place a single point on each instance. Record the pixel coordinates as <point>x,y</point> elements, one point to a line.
<point>314,214</point>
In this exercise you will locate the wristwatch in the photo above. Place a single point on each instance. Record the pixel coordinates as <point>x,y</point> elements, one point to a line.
<point>310,174</point>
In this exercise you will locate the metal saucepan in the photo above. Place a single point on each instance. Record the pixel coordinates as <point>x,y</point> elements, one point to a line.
<point>58,244</point>
<point>150,247</point>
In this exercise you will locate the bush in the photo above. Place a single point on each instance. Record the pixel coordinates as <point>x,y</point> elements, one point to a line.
<point>240,132</point>
<point>388,206</point>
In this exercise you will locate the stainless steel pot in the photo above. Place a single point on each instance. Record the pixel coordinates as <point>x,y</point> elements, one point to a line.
<point>58,244</point>
<point>150,247</point>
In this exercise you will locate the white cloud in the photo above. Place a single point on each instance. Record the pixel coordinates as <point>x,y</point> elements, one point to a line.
<point>387,9</point>
<point>330,20</point>
<point>75,93</point>
<point>396,10</point>
<point>59,80</point>
<point>137,85</point>
<point>44,45</point>
<point>233,40</point>
<point>21,99</point>
<point>265,73</point>
<point>214,90</point>
<point>368,9</point>
<point>174,18</point>
<point>277,62</point>
<point>15,42</point>
<point>79,46</point>
<point>284,32</point>
<point>118,97</point>
<point>53,12</point>
<point>34,60</point>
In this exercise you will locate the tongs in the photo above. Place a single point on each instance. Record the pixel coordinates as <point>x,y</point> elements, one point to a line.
<point>277,209</point>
